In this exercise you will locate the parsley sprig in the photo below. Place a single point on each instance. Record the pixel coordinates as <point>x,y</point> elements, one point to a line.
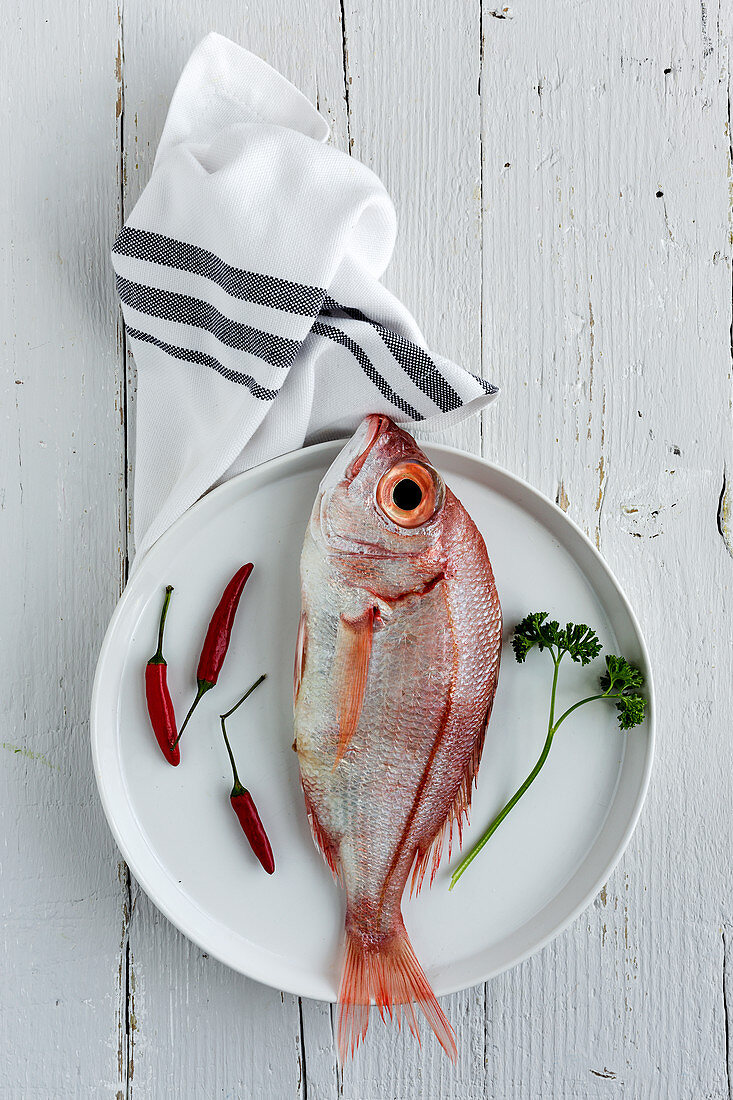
<point>620,682</point>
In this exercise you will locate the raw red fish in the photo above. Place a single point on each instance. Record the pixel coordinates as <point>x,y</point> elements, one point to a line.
<point>396,668</point>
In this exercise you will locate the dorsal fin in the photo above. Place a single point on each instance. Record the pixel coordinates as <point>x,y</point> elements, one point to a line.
<point>457,814</point>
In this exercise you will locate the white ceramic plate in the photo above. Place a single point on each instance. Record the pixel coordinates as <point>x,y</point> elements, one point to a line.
<point>175,826</point>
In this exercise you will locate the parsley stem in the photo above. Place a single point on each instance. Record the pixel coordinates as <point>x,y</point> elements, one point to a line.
<point>502,814</point>
<point>588,699</point>
<point>556,662</point>
<point>551,727</point>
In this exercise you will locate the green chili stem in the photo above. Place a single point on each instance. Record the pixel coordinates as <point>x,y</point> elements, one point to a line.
<point>157,658</point>
<point>203,687</point>
<point>246,695</point>
<point>237,789</point>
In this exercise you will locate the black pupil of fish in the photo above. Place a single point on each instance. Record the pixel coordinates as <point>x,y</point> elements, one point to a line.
<point>407,494</point>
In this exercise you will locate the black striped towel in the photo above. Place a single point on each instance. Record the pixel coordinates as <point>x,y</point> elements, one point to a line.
<point>249,277</point>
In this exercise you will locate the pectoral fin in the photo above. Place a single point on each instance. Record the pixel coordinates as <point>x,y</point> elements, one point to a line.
<point>300,647</point>
<point>353,650</point>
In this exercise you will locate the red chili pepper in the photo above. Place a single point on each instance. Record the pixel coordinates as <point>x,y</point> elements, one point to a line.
<point>157,695</point>
<point>243,803</point>
<point>216,642</point>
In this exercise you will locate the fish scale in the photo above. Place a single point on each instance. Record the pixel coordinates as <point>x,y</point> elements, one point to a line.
<point>397,665</point>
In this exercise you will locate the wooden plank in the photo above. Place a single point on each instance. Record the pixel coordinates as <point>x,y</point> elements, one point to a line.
<point>412,76</point>
<point>608,300</point>
<point>200,1028</point>
<point>61,549</point>
<point>411,84</point>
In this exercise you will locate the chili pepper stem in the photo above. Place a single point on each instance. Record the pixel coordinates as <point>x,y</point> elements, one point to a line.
<point>157,658</point>
<point>246,695</point>
<point>237,789</point>
<point>203,687</point>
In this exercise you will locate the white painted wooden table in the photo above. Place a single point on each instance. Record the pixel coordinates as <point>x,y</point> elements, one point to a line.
<point>562,173</point>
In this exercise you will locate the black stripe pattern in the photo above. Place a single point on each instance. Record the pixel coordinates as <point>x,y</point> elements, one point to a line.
<point>248,286</point>
<point>340,337</point>
<point>276,350</point>
<point>413,359</point>
<point>417,365</point>
<point>190,356</point>
<point>276,294</point>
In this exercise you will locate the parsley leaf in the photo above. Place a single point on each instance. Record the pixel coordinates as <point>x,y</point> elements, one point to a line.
<point>631,711</point>
<point>577,640</point>
<point>620,675</point>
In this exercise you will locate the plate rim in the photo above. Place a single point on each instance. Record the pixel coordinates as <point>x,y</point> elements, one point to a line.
<point>228,487</point>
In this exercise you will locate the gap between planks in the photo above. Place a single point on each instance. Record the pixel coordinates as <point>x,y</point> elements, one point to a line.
<point>127,1022</point>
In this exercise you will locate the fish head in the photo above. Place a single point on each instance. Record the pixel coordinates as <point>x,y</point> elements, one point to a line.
<point>381,497</point>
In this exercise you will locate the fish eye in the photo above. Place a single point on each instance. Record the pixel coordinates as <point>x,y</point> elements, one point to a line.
<point>409,494</point>
<point>406,494</point>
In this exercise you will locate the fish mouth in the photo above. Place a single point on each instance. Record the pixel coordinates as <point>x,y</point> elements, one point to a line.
<point>342,471</point>
<point>352,456</point>
<point>373,425</point>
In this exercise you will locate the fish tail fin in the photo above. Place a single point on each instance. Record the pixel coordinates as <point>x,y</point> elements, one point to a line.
<point>389,973</point>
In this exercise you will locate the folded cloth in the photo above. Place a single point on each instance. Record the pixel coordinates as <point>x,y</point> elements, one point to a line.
<point>248,273</point>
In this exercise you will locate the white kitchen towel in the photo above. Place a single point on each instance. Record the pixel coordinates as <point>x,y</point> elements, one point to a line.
<point>248,273</point>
